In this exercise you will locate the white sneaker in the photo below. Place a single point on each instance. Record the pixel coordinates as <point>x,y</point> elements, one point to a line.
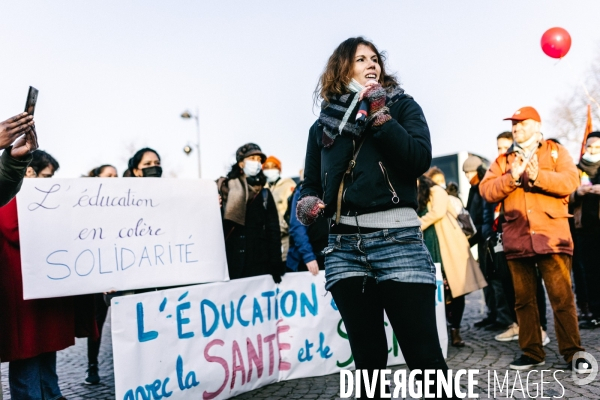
<point>545,338</point>
<point>512,333</point>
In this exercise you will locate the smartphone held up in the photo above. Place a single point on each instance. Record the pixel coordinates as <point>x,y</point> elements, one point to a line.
<point>32,97</point>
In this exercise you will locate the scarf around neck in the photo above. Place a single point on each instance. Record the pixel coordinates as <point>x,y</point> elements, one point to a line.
<point>338,115</point>
<point>591,169</point>
<point>527,147</point>
<point>241,192</point>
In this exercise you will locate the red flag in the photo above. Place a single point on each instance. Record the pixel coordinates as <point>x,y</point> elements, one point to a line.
<point>588,130</point>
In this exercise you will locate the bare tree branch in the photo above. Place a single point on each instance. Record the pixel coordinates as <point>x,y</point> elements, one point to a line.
<point>569,117</point>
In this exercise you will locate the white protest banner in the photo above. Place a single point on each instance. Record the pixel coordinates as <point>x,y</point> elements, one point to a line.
<point>83,236</point>
<point>217,340</point>
<point>209,341</point>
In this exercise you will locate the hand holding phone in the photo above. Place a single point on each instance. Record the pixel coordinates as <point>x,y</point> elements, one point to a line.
<point>12,128</point>
<point>25,145</point>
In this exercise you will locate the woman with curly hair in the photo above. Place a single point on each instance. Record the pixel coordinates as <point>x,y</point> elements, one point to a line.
<point>364,155</point>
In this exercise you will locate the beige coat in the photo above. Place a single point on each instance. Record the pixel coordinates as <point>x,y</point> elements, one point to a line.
<point>281,191</point>
<point>462,271</point>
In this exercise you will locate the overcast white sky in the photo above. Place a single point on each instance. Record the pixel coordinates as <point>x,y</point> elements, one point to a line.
<point>115,75</point>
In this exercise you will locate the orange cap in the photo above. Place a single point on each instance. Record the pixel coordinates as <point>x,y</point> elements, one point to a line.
<point>524,113</point>
<point>274,160</point>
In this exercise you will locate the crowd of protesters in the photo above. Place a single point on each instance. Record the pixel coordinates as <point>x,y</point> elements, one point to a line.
<point>531,222</point>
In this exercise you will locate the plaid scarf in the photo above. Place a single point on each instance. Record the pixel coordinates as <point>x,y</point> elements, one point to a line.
<point>338,115</point>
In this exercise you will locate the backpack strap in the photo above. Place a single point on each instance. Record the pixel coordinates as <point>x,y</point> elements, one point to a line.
<point>351,166</point>
<point>503,161</point>
<point>553,150</point>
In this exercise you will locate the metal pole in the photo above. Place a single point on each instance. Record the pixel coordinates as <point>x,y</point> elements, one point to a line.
<point>197,117</point>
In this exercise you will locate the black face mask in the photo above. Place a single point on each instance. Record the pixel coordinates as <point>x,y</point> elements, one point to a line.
<point>152,172</point>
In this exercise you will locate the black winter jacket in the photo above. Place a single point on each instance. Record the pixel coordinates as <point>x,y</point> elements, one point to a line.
<point>590,203</point>
<point>391,159</point>
<point>480,210</point>
<point>255,249</point>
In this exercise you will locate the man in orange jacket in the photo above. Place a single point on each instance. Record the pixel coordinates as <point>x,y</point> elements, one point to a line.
<point>533,180</point>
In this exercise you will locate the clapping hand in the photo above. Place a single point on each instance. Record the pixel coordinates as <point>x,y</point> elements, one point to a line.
<point>584,189</point>
<point>14,127</point>
<point>594,189</point>
<point>517,167</point>
<point>533,168</point>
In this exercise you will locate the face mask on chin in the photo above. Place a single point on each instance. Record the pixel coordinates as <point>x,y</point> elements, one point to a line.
<point>252,168</point>
<point>535,138</point>
<point>593,158</point>
<point>152,172</point>
<point>272,175</point>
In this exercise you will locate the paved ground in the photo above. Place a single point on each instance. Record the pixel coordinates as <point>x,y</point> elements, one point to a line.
<point>481,352</point>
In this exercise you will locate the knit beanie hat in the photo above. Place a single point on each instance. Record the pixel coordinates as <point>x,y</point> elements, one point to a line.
<point>249,149</point>
<point>472,163</point>
<point>274,160</point>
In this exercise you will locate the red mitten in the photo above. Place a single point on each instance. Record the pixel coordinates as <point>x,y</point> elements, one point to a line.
<point>378,112</point>
<point>307,209</point>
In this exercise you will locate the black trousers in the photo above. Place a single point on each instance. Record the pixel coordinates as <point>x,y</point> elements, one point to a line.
<point>455,310</point>
<point>101,312</point>
<point>579,278</point>
<point>410,308</point>
<point>589,259</point>
<point>489,293</point>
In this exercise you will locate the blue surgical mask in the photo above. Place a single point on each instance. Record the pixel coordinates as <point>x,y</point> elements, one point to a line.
<point>252,168</point>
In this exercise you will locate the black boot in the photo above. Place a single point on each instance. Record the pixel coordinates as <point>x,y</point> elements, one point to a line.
<point>92,375</point>
<point>456,339</point>
<point>584,312</point>
<point>484,322</point>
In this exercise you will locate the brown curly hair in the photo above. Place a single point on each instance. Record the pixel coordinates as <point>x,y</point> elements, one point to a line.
<point>338,71</point>
<point>433,171</point>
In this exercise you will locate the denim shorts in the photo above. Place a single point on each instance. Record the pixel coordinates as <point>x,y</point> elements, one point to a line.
<point>397,254</point>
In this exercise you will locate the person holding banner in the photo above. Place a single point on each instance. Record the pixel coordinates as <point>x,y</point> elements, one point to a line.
<point>100,305</point>
<point>17,155</point>
<point>250,218</point>
<point>281,189</point>
<point>364,154</point>
<point>35,329</point>
<point>144,163</point>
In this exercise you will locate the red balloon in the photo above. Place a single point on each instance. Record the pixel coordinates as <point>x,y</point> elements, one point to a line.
<point>556,42</point>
